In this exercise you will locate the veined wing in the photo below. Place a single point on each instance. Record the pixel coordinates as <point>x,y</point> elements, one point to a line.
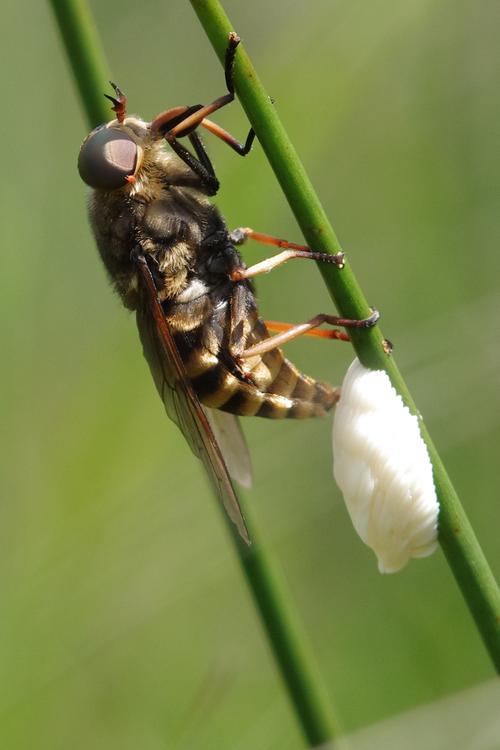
<point>181,403</point>
<point>229,435</point>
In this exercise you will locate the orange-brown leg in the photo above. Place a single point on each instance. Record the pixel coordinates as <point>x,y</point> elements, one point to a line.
<point>183,121</point>
<point>241,148</point>
<point>195,119</point>
<point>290,331</point>
<point>321,333</point>
<point>183,125</point>
<point>175,119</point>
<point>238,236</point>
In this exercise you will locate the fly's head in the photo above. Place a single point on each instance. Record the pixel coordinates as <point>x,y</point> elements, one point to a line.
<point>118,155</point>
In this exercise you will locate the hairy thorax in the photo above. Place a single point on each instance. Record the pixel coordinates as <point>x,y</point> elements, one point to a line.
<point>168,223</point>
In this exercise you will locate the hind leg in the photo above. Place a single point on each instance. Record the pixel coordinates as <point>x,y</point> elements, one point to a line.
<point>290,332</point>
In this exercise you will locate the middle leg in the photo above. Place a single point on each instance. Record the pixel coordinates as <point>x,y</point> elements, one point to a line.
<point>291,251</point>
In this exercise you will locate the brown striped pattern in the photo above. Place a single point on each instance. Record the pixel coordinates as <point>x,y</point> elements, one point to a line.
<point>268,386</point>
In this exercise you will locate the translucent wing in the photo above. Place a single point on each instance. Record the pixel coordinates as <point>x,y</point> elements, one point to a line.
<point>181,402</point>
<point>229,435</point>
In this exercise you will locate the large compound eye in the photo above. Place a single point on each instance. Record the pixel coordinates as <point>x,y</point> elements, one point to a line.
<point>107,157</point>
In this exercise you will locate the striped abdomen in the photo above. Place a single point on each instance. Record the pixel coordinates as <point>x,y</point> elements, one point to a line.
<point>265,386</point>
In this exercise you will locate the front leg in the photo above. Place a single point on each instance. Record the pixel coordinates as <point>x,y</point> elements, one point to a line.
<point>180,121</point>
<point>201,166</point>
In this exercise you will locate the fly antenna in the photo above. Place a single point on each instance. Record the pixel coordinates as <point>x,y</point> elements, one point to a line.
<point>119,102</point>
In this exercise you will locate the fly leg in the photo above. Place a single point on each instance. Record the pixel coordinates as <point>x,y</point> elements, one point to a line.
<point>193,116</point>
<point>202,166</point>
<point>199,164</point>
<point>181,121</point>
<point>239,236</point>
<point>241,148</point>
<point>289,331</point>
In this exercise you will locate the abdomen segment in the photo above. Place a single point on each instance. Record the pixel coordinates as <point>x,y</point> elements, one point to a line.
<point>268,386</point>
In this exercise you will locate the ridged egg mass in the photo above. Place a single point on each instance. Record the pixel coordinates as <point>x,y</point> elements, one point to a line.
<point>382,466</point>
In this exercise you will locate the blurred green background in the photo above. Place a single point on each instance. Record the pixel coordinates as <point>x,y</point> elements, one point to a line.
<point>125,620</point>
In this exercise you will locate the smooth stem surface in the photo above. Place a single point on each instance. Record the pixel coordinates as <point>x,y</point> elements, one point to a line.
<point>286,637</point>
<point>86,56</point>
<point>276,611</point>
<point>456,536</point>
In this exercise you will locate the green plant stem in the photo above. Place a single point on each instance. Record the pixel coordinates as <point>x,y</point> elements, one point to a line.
<point>272,600</point>
<point>86,56</point>
<point>285,634</point>
<point>456,536</point>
